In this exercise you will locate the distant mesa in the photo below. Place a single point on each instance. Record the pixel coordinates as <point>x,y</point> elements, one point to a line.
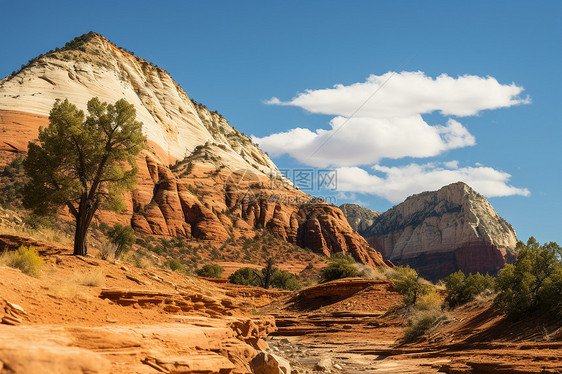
<point>440,232</point>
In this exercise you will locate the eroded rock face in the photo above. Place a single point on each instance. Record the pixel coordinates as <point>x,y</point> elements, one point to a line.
<point>191,180</point>
<point>166,205</point>
<point>442,231</point>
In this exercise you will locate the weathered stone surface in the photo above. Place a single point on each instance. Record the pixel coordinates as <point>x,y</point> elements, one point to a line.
<point>268,363</point>
<point>359,218</point>
<point>440,232</point>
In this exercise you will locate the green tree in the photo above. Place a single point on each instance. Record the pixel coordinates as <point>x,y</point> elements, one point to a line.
<point>79,162</point>
<point>534,282</point>
<point>123,237</point>
<point>339,266</point>
<point>461,289</point>
<point>408,285</point>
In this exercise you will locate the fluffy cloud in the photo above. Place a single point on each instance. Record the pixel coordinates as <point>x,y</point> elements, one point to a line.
<point>360,141</point>
<point>397,183</point>
<point>409,93</point>
<point>382,118</point>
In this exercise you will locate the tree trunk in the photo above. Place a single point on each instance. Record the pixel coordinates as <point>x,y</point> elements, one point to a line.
<point>86,212</point>
<point>80,245</point>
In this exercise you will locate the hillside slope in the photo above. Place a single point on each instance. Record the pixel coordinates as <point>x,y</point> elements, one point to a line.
<point>200,178</point>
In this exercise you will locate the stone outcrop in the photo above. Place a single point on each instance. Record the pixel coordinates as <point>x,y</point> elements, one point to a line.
<point>359,218</point>
<point>199,178</point>
<point>442,231</point>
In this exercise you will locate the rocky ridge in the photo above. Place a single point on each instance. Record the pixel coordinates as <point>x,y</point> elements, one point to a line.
<point>440,232</point>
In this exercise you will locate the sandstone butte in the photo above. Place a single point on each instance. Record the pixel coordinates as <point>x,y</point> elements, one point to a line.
<point>440,232</point>
<point>199,177</point>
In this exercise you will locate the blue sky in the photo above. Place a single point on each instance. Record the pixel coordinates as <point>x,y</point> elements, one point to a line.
<point>234,56</point>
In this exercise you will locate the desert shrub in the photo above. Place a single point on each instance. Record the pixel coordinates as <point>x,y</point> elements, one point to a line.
<point>123,237</point>
<point>410,285</point>
<point>534,282</point>
<point>339,266</point>
<point>24,258</point>
<point>210,271</point>
<point>429,301</point>
<point>285,280</point>
<point>174,265</point>
<point>246,276</point>
<point>421,322</point>
<point>461,289</point>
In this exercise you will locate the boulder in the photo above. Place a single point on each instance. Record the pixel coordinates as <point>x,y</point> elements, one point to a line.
<point>268,363</point>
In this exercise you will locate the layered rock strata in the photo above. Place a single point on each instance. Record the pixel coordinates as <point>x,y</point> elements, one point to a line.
<point>440,232</point>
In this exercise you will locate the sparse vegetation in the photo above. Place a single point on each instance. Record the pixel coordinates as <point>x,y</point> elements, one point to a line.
<point>410,285</point>
<point>24,258</point>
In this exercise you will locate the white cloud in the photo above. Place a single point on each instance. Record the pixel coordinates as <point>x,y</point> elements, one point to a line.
<point>389,124</point>
<point>406,94</point>
<point>382,118</point>
<point>360,141</point>
<point>397,183</point>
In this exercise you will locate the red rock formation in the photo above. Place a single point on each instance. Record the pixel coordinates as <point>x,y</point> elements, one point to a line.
<point>222,189</point>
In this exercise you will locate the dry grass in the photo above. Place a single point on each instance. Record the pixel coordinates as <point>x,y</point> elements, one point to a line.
<point>43,234</point>
<point>422,322</point>
<point>430,301</point>
<point>107,250</point>
<point>69,291</point>
<point>92,278</point>
<point>485,296</point>
<point>138,258</point>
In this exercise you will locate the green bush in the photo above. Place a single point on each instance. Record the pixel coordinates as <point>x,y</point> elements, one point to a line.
<point>36,222</point>
<point>461,289</point>
<point>210,271</point>
<point>174,265</point>
<point>285,280</point>
<point>24,258</point>
<point>123,237</point>
<point>409,285</point>
<point>339,266</point>
<point>534,282</point>
<point>246,277</point>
